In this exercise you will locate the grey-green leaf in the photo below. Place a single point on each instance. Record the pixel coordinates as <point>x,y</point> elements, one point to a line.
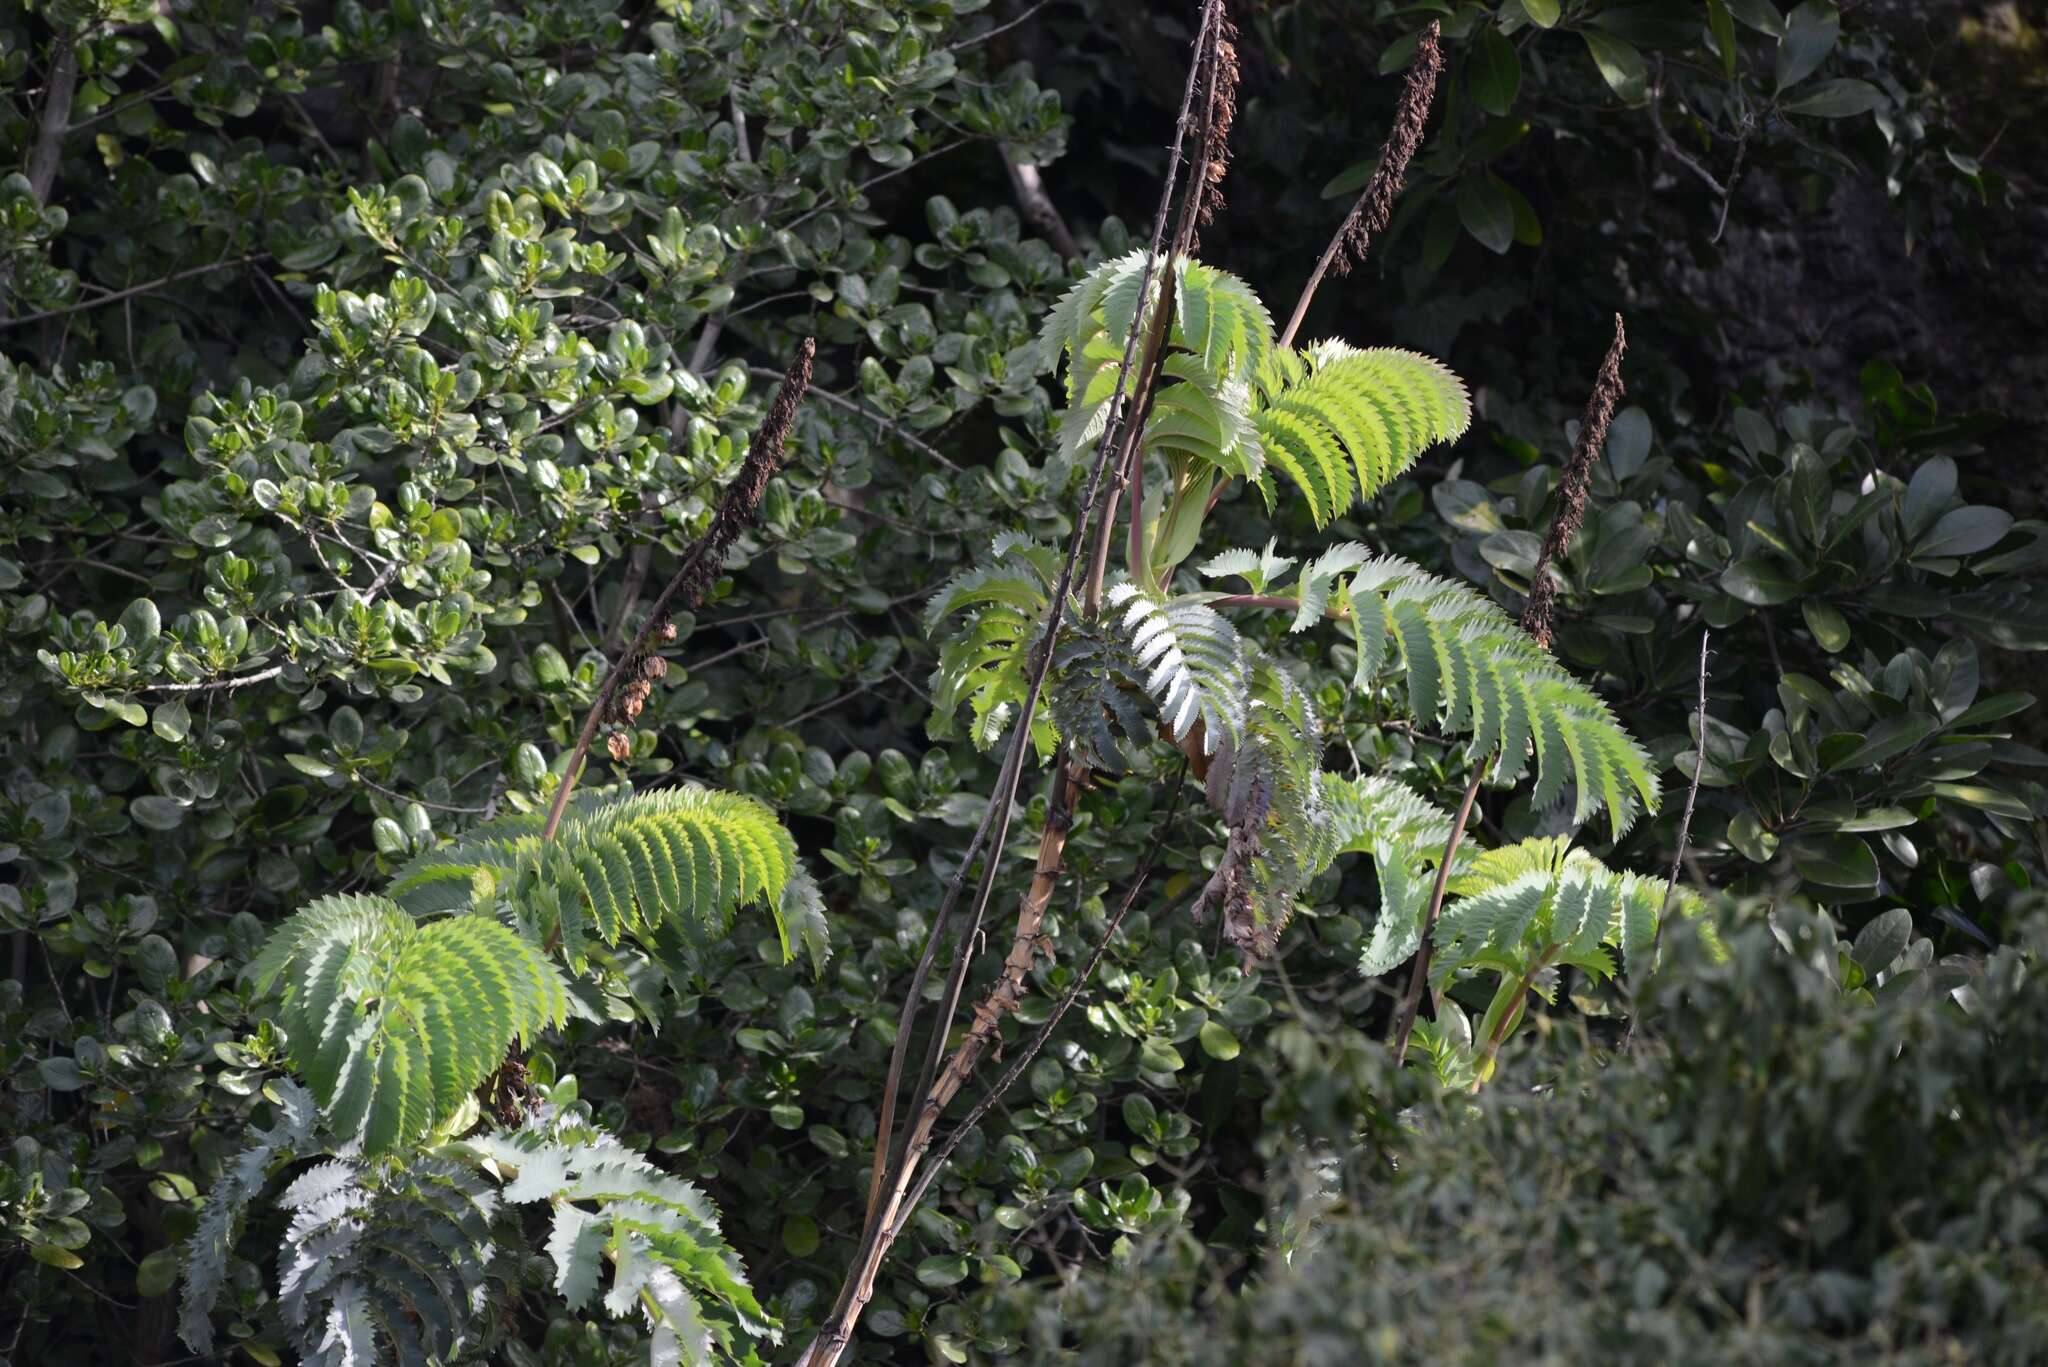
<point>1809,36</point>
<point>1965,531</point>
<point>1759,582</point>
<point>1882,941</point>
<point>1487,213</point>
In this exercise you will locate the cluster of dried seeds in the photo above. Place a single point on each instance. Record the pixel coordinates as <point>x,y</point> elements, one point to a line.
<point>644,673</point>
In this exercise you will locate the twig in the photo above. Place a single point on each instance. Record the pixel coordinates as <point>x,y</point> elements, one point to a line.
<point>314,128</point>
<point>214,685</point>
<point>860,190</point>
<point>1214,74</point>
<point>140,97</point>
<point>1728,197</point>
<point>1724,191</point>
<point>397,796</point>
<point>1124,449</point>
<point>118,295</point>
<point>707,340</point>
<point>1038,1040</point>
<point>854,406</point>
<point>987,34</point>
<point>1039,210</point>
<point>1677,153</point>
<point>848,696</point>
<point>637,566</point>
<point>1692,794</point>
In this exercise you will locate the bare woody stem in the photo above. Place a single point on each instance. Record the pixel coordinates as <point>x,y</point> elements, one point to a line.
<point>1031,1050</point>
<point>1692,794</point>
<point>1213,79</point>
<point>132,291</point>
<point>699,568</point>
<point>1037,203</point>
<point>891,1180</point>
<point>1068,779</point>
<point>1118,441</point>
<point>48,148</point>
<point>1572,492</point>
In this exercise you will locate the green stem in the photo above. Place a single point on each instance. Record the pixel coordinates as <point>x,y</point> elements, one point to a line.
<point>1499,1033</point>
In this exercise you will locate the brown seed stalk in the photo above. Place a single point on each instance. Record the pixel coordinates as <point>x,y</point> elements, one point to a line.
<point>700,567</point>
<point>1573,487</point>
<point>1369,216</point>
<point>1375,207</point>
<point>1224,74</point>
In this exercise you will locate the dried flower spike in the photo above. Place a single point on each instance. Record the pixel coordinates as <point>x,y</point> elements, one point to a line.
<point>1376,206</point>
<point>1224,74</point>
<point>1574,486</point>
<point>703,561</point>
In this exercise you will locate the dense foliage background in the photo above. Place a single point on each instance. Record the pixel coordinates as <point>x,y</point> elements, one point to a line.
<point>363,372</point>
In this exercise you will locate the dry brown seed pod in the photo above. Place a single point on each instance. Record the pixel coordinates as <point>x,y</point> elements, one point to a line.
<point>620,745</point>
<point>654,667</point>
<point>630,709</point>
<point>667,632</point>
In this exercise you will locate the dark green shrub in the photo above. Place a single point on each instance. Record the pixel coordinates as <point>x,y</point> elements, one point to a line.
<point>1787,1170</point>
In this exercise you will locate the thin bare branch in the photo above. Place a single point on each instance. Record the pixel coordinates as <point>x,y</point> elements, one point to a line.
<point>879,1232</point>
<point>637,566</point>
<point>132,291</point>
<point>1039,210</point>
<point>1038,1040</point>
<point>840,401</point>
<point>227,685</point>
<point>987,34</point>
<point>707,340</point>
<point>1692,795</point>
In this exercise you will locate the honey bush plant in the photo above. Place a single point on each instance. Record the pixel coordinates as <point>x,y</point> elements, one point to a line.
<point>368,374</point>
